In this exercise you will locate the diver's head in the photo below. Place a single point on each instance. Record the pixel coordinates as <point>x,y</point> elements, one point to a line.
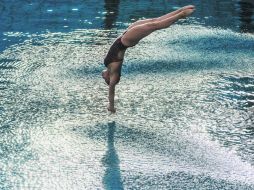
<point>111,78</point>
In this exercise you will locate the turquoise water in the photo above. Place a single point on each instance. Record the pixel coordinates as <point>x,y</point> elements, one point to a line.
<point>185,102</point>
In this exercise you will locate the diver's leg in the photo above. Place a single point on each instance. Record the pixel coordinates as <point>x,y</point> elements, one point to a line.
<point>135,34</point>
<point>140,22</point>
<point>175,12</point>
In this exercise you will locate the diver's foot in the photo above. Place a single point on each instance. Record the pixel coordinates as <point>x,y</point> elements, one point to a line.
<point>187,7</point>
<point>187,12</point>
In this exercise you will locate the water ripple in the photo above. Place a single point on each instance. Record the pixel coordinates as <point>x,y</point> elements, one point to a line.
<point>183,110</point>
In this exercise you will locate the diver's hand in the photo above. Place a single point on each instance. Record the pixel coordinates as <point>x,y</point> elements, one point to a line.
<point>111,109</point>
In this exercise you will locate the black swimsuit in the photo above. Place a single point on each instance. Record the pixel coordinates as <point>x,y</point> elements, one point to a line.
<point>112,55</point>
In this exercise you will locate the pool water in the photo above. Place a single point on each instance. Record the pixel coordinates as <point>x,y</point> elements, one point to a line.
<point>185,102</point>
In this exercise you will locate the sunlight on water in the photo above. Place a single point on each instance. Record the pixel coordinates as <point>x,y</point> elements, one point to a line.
<point>184,112</point>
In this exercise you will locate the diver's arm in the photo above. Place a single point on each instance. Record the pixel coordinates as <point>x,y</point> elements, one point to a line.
<point>111,98</point>
<point>114,79</point>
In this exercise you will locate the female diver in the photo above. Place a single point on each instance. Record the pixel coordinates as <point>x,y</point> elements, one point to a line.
<point>134,33</point>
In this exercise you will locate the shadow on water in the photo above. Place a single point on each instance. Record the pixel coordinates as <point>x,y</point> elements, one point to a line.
<point>112,177</point>
<point>218,42</point>
<point>111,7</point>
<point>148,142</point>
<point>208,48</point>
<point>157,66</point>
<point>246,12</point>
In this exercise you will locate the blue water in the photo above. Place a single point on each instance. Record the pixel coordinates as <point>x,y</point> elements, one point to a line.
<point>185,102</point>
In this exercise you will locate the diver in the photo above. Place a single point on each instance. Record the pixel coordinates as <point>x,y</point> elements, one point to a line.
<point>134,33</point>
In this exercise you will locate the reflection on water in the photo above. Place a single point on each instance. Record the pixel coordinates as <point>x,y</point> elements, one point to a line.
<point>247,8</point>
<point>112,177</point>
<point>41,16</point>
<point>111,8</point>
<point>239,90</point>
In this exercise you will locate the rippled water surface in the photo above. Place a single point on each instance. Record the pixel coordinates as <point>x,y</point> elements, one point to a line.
<point>185,103</point>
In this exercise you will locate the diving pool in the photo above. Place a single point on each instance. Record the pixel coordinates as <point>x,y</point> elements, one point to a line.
<point>185,103</point>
